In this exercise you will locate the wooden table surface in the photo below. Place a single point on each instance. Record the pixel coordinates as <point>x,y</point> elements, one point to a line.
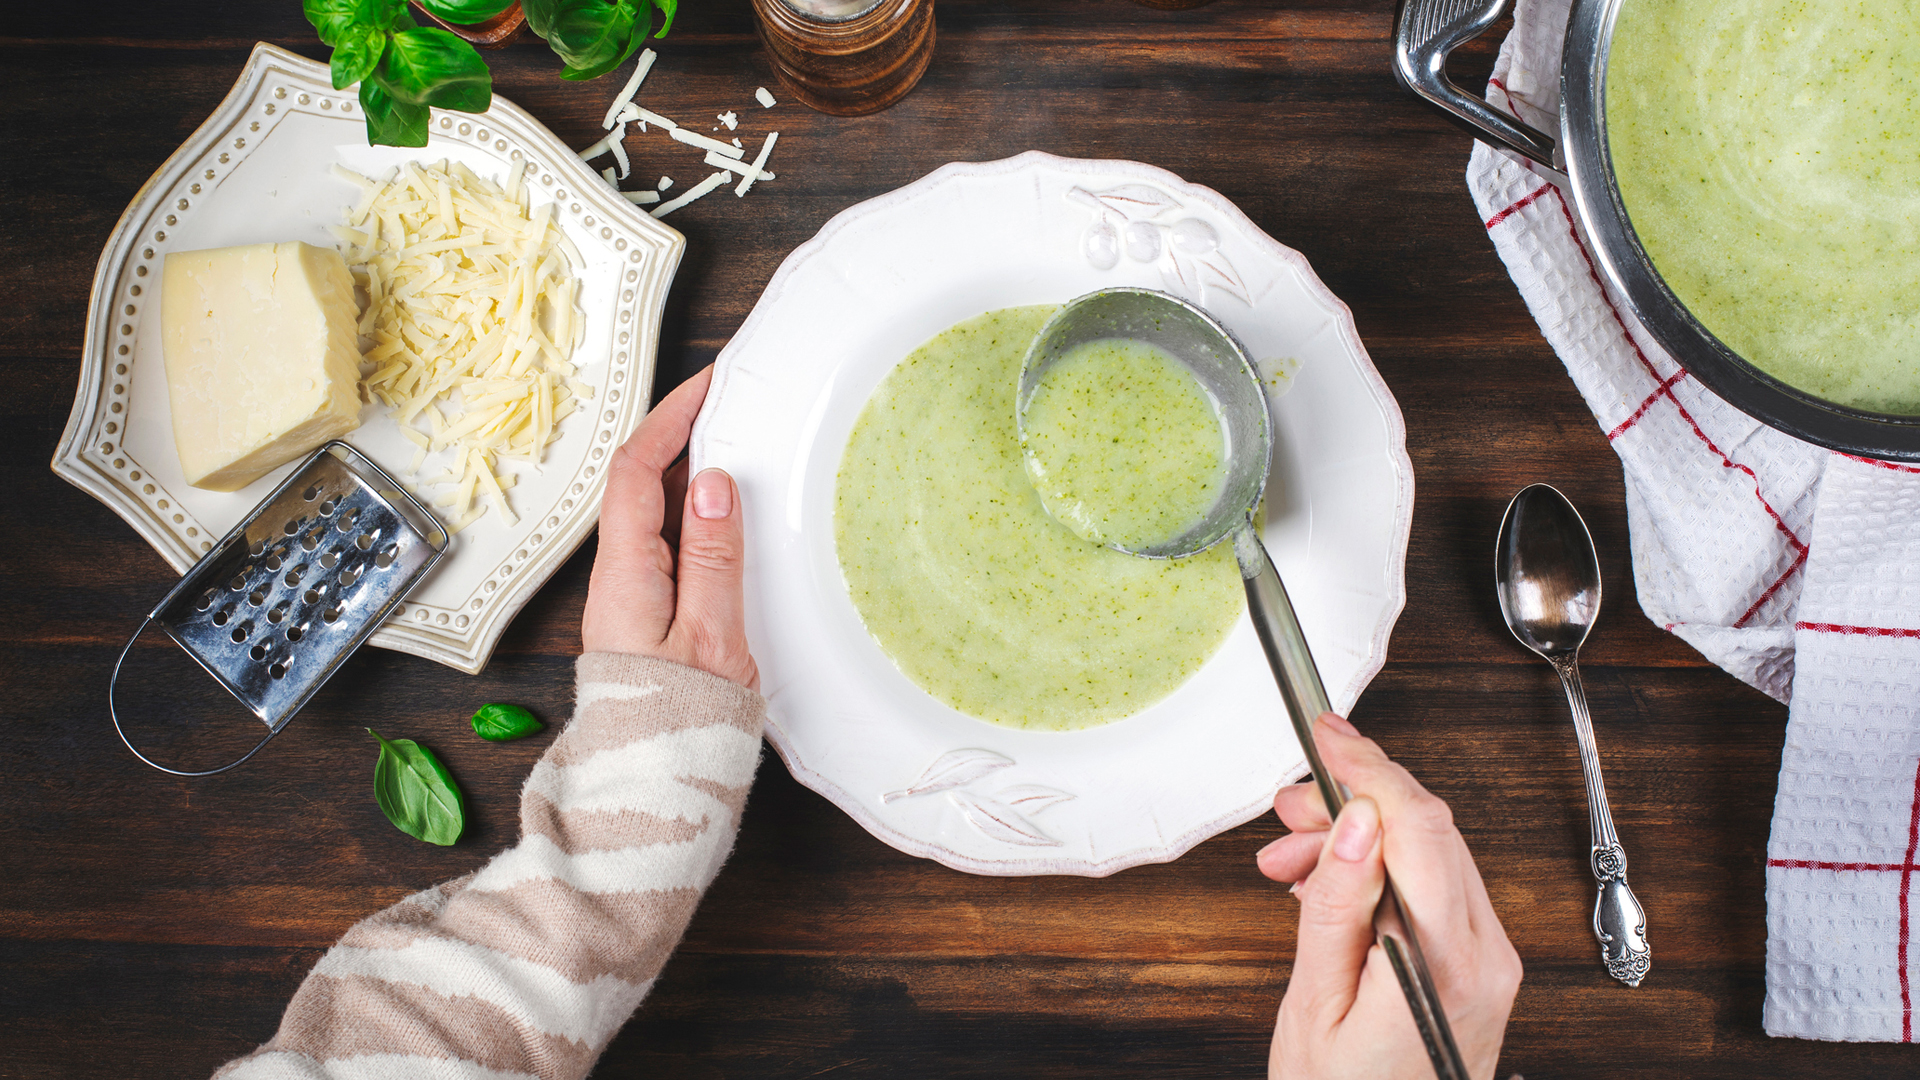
<point>152,926</point>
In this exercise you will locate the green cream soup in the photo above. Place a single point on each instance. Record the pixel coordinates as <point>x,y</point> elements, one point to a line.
<point>970,587</point>
<point>1768,154</point>
<point>1123,445</point>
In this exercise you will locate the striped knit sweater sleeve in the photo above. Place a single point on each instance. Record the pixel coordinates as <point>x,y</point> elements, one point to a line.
<point>527,967</point>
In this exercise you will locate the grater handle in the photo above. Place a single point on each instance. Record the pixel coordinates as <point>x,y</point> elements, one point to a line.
<point>118,730</point>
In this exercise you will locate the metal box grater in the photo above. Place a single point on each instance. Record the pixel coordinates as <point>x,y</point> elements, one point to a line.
<point>282,600</point>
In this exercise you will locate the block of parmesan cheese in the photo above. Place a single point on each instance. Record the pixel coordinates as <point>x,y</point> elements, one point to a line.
<point>262,357</point>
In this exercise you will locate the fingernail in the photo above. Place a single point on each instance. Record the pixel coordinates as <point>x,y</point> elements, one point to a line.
<point>1262,853</point>
<point>1354,833</point>
<point>1294,889</point>
<point>712,494</point>
<point>1338,723</point>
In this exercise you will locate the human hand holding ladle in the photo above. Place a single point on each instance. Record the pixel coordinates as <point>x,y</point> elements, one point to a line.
<point>1211,355</point>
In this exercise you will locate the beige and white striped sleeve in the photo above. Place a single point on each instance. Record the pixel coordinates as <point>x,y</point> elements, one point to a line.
<point>527,967</point>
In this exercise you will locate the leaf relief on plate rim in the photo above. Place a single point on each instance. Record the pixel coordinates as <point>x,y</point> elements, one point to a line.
<point>998,821</point>
<point>955,768</point>
<point>1033,798</point>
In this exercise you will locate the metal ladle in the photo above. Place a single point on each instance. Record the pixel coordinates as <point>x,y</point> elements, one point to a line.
<point>1548,578</point>
<point>1216,359</point>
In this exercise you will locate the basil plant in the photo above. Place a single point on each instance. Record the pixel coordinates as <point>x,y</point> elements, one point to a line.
<point>404,68</point>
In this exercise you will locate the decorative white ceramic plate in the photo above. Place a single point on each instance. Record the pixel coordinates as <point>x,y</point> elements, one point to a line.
<point>885,276</point>
<point>259,170</point>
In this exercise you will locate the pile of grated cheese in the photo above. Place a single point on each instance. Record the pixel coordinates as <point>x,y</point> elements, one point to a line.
<point>469,325</point>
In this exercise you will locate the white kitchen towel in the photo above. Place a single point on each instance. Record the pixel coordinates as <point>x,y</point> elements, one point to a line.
<point>1795,569</point>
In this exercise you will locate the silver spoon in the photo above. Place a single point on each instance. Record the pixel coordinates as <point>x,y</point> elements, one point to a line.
<point>1549,583</point>
<point>1210,352</point>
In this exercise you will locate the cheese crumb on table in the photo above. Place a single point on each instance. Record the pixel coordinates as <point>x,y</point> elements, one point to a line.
<point>694,192</point>
<point>261,359</point>
<point>730,118</point>
<point>721,161</point>
<point>759,165</point>
<point>634,113</point>
<point>665,183</point>
<point>694,138</point>
<point>472,321</point>
<point>625,97</point>
<point>765,99</point>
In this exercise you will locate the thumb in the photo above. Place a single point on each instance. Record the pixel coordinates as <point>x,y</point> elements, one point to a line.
<point>1336,915</point>
<point>709,622</point>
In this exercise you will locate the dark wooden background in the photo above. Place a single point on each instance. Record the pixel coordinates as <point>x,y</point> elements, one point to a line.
<point>152,926</point>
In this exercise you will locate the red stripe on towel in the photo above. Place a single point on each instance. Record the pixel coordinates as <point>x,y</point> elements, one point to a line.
<point>1864,631</point>
<point>1525,201</point>
<point>1881,464</point>
<point>1811,864</point>
<point>1658,393</point>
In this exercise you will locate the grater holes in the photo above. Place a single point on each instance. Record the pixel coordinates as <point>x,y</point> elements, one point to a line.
<point>312,596</point>
<point>312,493</point>
<point>312,539</point>
<point>330,614</point>
<point>330,560</point>
<point>279,612</point>
<point>293,576</point>
<point>385,558</point>
<point>220,617</point>
<point>258,652</point>
<point>348,577</point>
<point>292,527</point>
<point>256,547</point>
<point>327,508</point>
<point>364,541</point>
<point>273,561</point>
<point>238,583</point>
<point>278,671</point>
<point>347,519</point>
<point>206,599</point>
<point>243,631</point>
<point>295,633</point>
<point>257,597</point>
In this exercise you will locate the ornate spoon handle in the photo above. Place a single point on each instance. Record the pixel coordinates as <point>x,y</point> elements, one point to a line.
<point>1618,919</point>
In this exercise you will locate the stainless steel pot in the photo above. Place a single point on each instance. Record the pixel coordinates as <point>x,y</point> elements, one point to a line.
<point>1427,31</point>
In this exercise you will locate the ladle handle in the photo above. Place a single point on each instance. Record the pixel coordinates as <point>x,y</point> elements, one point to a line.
<point>1306,698</point>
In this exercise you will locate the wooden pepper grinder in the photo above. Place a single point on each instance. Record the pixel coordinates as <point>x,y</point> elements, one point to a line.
<point>847,57</point>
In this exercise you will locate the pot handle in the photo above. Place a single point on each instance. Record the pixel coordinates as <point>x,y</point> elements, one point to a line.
<point>1425,33</point>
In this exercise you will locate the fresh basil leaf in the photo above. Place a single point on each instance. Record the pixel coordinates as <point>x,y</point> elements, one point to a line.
<point>668,9</point>
<point>333,19</point>
<point>416,793</point>
<point>464,12</point>
<point>429,66</point>
<point>356,55</point>
<point>390,122</point>
<point>504,723</point>
<point>592,36</point>
<point>540,15</point>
